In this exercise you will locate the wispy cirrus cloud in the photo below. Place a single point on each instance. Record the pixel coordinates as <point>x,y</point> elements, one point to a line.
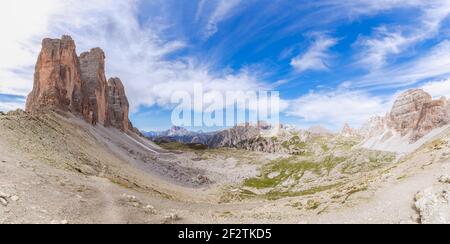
<point>438,88</point>
<point>376,50</point>
<point>394,40</point>
<point>215,11</point>
<point>431,65</point>
<point>136,52</point>
<point>317,56</point>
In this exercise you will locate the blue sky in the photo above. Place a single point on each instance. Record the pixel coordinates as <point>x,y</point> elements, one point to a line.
<point>332,61</point>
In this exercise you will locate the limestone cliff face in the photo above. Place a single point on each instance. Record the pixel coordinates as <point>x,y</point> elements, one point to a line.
<point>118,107</point>
<point>95,86</point>
<point>57,81</point>
<point>414,114</point>
<point>66,82</point>
<point>434,114</point>
<point>407,110</point>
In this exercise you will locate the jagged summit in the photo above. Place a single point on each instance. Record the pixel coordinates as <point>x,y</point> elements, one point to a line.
<point>415,112</point>
<point>348,131</point>
<point>412,119</point>
<point>66,82</point>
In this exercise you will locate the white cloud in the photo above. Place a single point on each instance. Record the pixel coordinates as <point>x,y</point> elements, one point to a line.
<point>376,50</point>
<point>334,109</point>
<point>387,42</point>
<point>21,22</point>
<point>438,89</point>
<point>210,13</point>
<point>11,103</point>
<point>135,52</point>
<point>434,64</point>
<point>356,8</point>
<point>316,57</point>
<point>10,106</point>
<point>223,10</point>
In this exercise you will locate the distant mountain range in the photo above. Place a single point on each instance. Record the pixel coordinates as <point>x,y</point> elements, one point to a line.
<point>412,119</point>
<point>259,137</point>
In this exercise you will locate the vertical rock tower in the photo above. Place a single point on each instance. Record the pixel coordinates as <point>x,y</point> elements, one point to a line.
<point>63,81</point>
<point>118,107</point>
<point>92,65</point>
<point>57,78</point>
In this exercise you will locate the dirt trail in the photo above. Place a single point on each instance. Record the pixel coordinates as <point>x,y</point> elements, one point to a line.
<point>110,212</point>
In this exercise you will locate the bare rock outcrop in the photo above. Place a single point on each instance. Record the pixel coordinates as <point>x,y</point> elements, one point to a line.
<point>63,81</point>
<point>417,113</point>
<point>95,86</point>
<point>234,136</point>
<point>434,114</point>
<point>433,205</point>
<point>414,114</point>
<point>118,106</point>
<point>348,131</point>
<point>57,79</point>
<point>407,110</point>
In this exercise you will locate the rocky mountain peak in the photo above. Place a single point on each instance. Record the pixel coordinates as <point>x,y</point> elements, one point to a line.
<point>407,109</point>
<point>177,131</point>
<point>416,113</point>
<point>66,82</point>
<point>347,130</point>
<point>57,78</point>
<point>92,65</point>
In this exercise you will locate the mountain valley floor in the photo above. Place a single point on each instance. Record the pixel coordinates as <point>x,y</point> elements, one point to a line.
<point>56,168</point>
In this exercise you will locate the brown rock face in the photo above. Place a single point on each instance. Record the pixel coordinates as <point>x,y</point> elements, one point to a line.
<point>118,107</point>
<point>407,110</point>
<point>57,81</point>
<point>417,113</point>
<point>66,82</point>
<point>434,114</point>
<point>94,87</point>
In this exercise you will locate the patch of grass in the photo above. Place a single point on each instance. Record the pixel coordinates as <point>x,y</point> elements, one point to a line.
<point>437,144</point>
<point>366,160</point>
<point>287,168</point>
<point>402,177</point>
<point>297,205</point>
<point>275,195</point>
<point>226,214</point>
<point>312,205</point>
<point>354,190</point>
<point>295,142</point>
